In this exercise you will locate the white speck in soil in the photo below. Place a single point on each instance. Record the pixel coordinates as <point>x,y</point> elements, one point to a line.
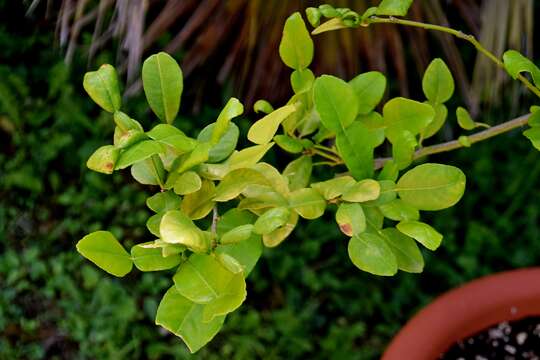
<point>510,349</point>
<point>521,337</point>
<point>513,310</point>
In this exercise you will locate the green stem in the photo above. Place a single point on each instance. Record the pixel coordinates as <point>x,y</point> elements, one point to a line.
<point>333,158</point>
<point>457,33</point>
<point>455,144</point>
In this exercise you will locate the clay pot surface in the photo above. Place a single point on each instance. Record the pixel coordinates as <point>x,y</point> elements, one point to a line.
<point>466,310</point>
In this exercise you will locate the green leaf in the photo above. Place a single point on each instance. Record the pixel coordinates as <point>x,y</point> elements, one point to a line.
<point>225,145</point>
<point>336,102</point>
<point>408,256</point>
<point>438,83</point>
<point>102,86</point>
<point>262,131</point>
<point>355,145</point>
<point>102,248</point>
<point>171,136</point>
<point>163,201</point>
<point>464,119</point>
<point>246,252</point>
<point>236,181</point>
<point>153,223</point>
<point>149,171</point>
<point>262,106</point>
<point>249,156</point>
<point>138,152</point>
<point>390,171</point>
<point>302,80</point>
<point>399,210</point>
<point>403,149</point>
<point>431,186</point>
<point>103,159</point>
<point>198,204</point>
<point>351,219</point>
<point>533,135</point>
<point>441,112</point>
<point>202,278</point>
<point>125,123</point>
<point>184,318</point>
<point>163,84</point>
<point>277,181</point>
<point>199,155</point>
<point>369,252</point>
<point>308,203</point>
<point>331,189</point>
<point>271,220</point>
<point>516,63</point>
<point>232,109</point>
<point>393,7</point>
<point>374,219</point>
<point>277,236</point>
<point>464,141</point>
<point>369,88</point>
<point>313,16</point>
<point>151,259</point>
<point>236,235</point>
<point>296,46</point>
<point>387,193</point>
<point>402,114</point>
<point>421,232</point>
<point>289,144</point>
<point>177,228</point>
<point>362,191</point>
<point>187,183</point>
<point>299,172</point>
<point>125,139</point>
<point>230,300</point>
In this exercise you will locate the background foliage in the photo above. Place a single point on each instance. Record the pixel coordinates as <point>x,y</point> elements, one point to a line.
<point>306,299</point>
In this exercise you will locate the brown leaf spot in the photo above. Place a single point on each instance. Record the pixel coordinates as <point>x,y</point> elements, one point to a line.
<point>346,229</point>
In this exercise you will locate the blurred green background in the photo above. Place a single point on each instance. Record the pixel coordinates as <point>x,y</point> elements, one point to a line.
<point>305,298</point>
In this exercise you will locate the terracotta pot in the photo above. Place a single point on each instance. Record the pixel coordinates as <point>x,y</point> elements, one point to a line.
<point>466,310</point>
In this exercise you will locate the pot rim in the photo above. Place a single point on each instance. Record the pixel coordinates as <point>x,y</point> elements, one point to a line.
<point>466,310</point>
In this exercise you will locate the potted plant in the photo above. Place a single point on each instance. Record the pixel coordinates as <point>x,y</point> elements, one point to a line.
<point>217,205</point>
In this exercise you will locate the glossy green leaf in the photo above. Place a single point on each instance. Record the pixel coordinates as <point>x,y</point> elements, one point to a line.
<point>389,171</point>
<point>271,220</point>
<point>277,181</point>
<point>299,172</point>
<point>166,249</point>
<point>163,201</point>
<point>369,252</point>
<point>534,119</point>
<point>232,109</point>
<point>331,189</point>
<point>199,155</point>
<point>289,144</point>
<point>187,183</point>
<point>225,145</point>
<point>172,136</point>
<point>102,248</point>
<point>432,186</point>
<point>163,84</point>
<point>153,222</point>
<point>151,259</point>
<point>314,16</point>
<point>138,152</point>
<point>351,219</point>
<point>236,181</point>
<point>441,112</point>
<point>296,46</point>
<point>464,119</point>
<point>238,234</point>
<point>184,318</point>
<point>249,156</point>
<point>302,80</point>
<point>198,204</point>
<point>228,301</point>
<point>408,256</point>
<point>421,232</point>
<point>262,131</point>
<point>336,102</point>
<point>355,145</point>
<point>362,191</point>
<point>533,135</point>
<point>102,86</point>
<point>515,63</point>
<point>246,252</point>
<point>125,139</point>
<point>103,160</point>
<point>177,228</point>
<point>369,88</point>
<point>149,171</point>
<point>399,210</point>
<point>262,106</point>
<point>386,194</point>
<point>403,149</point>
<point>438,83</point>
<point>402,114</point>
<point>308,203</point>
<point>374,219</point>
<point>125,123</point>
<point>277,236</point>
<point>393,7</point>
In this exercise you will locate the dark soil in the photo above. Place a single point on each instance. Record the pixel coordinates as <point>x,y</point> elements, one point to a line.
<point>514,340</point>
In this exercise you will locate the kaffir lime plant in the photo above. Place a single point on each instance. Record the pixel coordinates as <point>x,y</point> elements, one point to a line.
<point>328,122</point>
